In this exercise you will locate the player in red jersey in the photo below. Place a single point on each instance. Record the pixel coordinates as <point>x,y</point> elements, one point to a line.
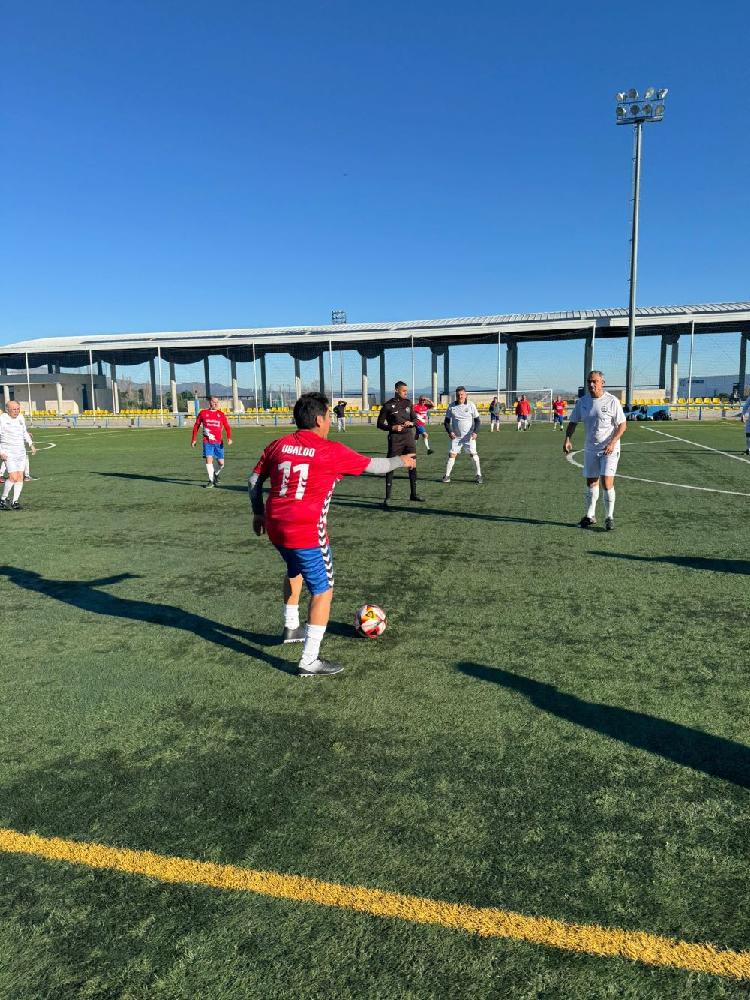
<point>523,413</point>
<point>558,407</point>
<point>421,410</point>
<point>304,468</point>
<point>214,424</point>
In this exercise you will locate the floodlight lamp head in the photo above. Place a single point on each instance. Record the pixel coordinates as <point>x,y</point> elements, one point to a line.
<point>632,94</point>
<point>650,92</point>
<point>659,110</point>
<point>662,93</point>
<point>620,96</point>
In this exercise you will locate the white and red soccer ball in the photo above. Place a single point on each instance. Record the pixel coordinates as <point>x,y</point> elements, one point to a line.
<point>370,621</point>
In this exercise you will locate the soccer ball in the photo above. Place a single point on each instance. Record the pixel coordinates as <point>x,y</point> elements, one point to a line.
<point>370,621</point>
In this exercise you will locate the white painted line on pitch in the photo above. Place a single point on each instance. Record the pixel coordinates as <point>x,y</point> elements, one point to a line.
<point>660,482</point>
<point>46,446</point>
<point>727,454</point>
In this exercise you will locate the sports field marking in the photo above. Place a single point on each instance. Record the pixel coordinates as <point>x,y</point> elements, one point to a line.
<point>45,445</point>
<point>726,454</point>
<point>661,482</point>
<point>591,939</point>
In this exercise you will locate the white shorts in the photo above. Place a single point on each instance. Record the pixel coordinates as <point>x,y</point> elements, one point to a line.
<point>16,461</point>
<point>596,463</point>
<point>467,444</point>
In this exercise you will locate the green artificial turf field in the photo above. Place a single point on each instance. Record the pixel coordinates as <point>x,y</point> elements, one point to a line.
<point>555,723</point>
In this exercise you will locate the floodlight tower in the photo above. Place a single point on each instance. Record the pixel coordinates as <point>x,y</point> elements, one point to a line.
<point>633,111</point>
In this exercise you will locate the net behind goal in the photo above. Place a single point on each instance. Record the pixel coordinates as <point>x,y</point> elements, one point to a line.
<point>540,401</point>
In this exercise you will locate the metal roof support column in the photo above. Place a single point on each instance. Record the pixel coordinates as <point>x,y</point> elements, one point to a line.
<point>115,388</point>
<point>321,373</point>
<point>675,379</point>
<point>28,383</point>
<point>59,391</point>
<point>434,373</point>
<point>330,364</point>
<point>50,369</point>
<point>255,384</point>
<point>413,384</point>
<point>365,387</point>
<point>447,372</point>
<point>161,389</point>
<point>173,388</point>
<point>663,362</point>
<point>690,366</point>
<point>499,368</point>
<point>588,356</point>
<point>382,376</point>
<point>6,395</point>
<point>511,357</point>
<point>207,376</point>
<point>99,368</point>
<point>297,379</point>
<point>743,363</point>
<point>263,383</point>
<point>152,378</point>
<point>91,373</point>
<point>235,389</point>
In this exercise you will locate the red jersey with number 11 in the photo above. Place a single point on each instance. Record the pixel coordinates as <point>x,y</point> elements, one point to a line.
<point>303,469</point>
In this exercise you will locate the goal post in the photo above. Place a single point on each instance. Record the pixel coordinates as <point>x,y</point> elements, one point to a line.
<point>539,399</point>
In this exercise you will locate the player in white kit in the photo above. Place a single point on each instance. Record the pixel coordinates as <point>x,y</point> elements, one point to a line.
<point>604,422</point>
<point>13,440</point>
<point>462,424</point>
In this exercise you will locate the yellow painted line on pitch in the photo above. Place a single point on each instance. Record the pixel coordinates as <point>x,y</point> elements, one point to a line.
<point>649,949</point>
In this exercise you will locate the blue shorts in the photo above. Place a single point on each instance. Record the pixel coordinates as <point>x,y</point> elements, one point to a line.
<point>558,418</point>
<point>420,429</point>
<point>315,565</point>
<point>495,418</point>
<point>211,450</point>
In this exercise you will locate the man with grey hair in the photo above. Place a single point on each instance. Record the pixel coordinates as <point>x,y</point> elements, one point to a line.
<point>604,422</point>
<point>13,440</point>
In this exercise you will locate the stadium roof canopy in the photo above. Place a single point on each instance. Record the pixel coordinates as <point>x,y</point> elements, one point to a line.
<point>306,342</point>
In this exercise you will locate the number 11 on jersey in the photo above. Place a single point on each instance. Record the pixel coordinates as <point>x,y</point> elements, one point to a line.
<point>286,470</point>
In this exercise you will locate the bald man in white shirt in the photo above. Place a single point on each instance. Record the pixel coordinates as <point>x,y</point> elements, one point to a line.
<point>14,437</point>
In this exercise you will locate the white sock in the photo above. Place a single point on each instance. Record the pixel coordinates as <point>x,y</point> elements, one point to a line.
<point>210,471</point>
<point>476,462</point>
<point>17,487</point>
<point>592,495</point>
<point>313,638</point>
<point>609,502</point>
<point>519,426</point>
<point>218,468</point>
<point>26,467</point>
<point>449,466</point>
<point>427,442</point>
<point>3,469</point>
<point>7,488</point>
<point>291,616</point>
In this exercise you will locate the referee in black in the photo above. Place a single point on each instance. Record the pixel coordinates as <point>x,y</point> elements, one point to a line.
<point>397,418</point>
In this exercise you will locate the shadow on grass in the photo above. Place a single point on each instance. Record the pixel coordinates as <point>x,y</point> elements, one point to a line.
<point>87,596</point>
<point>712,755</point>
<point>167,479</point>
<point>412,508</point>
<point>741,566</point>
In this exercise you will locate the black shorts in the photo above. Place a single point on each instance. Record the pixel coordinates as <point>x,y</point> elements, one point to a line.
<point>401,444</point>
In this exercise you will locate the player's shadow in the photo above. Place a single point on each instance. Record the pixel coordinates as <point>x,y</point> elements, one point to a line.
<point>713,755</point>
<point>472,515</point>
<point>741,566</point>
<point>87,596</point>
<point>169,479</point>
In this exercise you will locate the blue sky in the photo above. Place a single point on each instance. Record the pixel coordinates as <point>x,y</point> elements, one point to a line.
<point>188,165</point>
